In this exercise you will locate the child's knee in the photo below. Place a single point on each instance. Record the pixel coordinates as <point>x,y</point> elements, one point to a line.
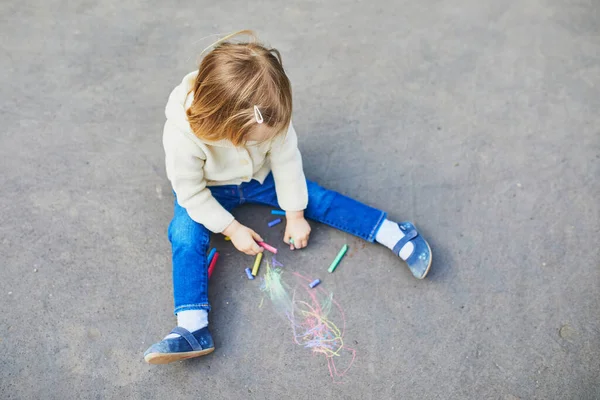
<point>319,200</point>
<point>188,236</point>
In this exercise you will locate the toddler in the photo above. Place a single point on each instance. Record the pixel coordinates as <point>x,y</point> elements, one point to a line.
<point>229,140</point>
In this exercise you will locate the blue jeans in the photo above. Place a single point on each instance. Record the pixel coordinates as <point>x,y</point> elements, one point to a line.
<point>190,240</point>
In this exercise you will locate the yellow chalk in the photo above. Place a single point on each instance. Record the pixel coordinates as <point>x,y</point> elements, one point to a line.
<point>227,238</point>
<point>256,264</point>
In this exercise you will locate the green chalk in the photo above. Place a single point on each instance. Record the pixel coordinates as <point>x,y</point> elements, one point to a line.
<point>335,262</point>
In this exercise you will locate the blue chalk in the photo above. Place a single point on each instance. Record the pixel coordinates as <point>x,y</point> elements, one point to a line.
<point>277,212</point>
<point>314,283</point>
<point>211,254</point>
<point>274,222</point>
<point>249,273</point>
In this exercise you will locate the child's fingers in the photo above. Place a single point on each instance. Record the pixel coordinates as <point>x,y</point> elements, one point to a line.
<point>245,250</point>
<point>298,243</point>
<point>252,251</point>
<point>288,240</point>
<point>256,248</point>
<point>256,236</point>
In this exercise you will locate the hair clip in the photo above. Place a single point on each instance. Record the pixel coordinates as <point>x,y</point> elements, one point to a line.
<point>257,115</point>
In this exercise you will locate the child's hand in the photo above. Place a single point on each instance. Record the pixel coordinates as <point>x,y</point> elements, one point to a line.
<point>297,228</point>
<point>243,238</point>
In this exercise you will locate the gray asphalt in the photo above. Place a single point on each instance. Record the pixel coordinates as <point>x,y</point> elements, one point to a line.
<point>476,119</point>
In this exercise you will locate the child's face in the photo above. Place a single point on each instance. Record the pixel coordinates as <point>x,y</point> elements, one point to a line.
<point>261,132</point>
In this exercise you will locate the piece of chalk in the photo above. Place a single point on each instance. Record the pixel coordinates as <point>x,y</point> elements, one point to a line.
<point>274,222</point>
<point>256,264</point>
<point>249,273</point>
<point>335,262</point>
<point>291,244</point>
<point>314,283</point>
<point>213,262</point>
<point>211,254</point>
<point>277,212</point>
<point>227,238</point>
<point>267,247</point>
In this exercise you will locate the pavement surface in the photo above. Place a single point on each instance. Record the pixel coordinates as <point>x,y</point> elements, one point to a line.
<point>476,119</point>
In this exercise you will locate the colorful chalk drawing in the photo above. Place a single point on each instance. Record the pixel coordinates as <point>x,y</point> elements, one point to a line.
<point>309,312</point>
<point>275,263</point>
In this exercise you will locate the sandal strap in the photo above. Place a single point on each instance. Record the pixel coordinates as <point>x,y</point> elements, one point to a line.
<point>184,333</point>
<point>408,236</point>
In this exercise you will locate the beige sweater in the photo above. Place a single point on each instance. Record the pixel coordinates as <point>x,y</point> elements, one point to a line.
<point>193,164</point>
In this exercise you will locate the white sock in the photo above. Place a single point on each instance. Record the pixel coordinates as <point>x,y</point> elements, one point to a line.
<point>388,235</point>
<point>192,320</point>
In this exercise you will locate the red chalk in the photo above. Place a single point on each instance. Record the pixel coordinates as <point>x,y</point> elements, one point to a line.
<point>211,267</point>
<point>267,247</point>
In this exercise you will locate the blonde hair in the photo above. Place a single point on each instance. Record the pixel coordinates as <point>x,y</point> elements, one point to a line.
<point>232,79</point>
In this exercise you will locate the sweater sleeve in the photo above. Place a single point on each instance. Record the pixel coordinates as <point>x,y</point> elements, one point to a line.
<point>185,169</point>
<point>286,165</point>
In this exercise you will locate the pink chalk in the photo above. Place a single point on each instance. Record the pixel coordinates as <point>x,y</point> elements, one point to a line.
<point>267,247</point>
<point>213,262</point>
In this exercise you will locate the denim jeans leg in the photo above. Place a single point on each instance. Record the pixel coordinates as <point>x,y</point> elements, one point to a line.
<point>325,206</point>
<point>189,243</point>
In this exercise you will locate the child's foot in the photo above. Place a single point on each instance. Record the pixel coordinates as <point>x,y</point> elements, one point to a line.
<point>191,320</point>
<point>404,240</point>
<point>186,345</point>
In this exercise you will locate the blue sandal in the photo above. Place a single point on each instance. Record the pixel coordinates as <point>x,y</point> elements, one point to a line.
<point>187,345</point>
<point>419,261</point>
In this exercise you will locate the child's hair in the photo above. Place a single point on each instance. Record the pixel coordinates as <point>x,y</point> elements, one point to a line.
<point>234,78</point>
